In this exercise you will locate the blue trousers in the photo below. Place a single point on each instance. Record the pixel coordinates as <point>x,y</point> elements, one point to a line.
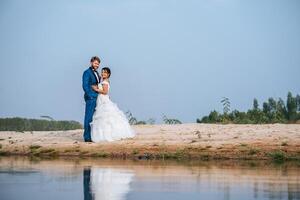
<point>87,184</point>
<point>90,106</point>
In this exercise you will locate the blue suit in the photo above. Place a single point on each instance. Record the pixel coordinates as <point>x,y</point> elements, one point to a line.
<point>90,97</point>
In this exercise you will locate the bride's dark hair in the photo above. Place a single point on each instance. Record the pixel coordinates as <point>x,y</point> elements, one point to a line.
<point>106,69</point>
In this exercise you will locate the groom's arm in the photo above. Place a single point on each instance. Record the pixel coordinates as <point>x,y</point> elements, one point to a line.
<point>86,85</point>
<point>99,90</point>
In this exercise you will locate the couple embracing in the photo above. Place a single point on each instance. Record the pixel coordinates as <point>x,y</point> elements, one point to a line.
<point>103,120</point>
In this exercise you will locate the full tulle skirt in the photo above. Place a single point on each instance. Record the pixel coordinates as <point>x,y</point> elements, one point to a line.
<point>109,122</point>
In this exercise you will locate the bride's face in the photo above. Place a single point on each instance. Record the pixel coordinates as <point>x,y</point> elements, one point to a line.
<point>104,74</point>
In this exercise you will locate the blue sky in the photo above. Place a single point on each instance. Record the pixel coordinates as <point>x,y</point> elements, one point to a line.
<point>177,58</point>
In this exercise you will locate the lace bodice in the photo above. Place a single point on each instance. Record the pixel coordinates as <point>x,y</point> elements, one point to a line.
<point>102,83</point>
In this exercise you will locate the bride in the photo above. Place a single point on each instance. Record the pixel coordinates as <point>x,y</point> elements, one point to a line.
<point>109,122</point>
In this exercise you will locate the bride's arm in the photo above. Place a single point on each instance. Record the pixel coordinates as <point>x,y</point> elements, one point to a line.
<point>101,91</point>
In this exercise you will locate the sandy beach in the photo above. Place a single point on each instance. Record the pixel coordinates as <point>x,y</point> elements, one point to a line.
<point>182,141</point>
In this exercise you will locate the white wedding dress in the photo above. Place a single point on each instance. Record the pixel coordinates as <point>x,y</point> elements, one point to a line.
<point>110,183</point>
<point>109,122</point>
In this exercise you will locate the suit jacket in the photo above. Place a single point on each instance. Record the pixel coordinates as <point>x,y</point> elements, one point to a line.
<point>89,79</point>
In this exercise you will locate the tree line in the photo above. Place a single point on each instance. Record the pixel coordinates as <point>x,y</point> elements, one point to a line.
<point>23,124</point>
<point>272,111</point>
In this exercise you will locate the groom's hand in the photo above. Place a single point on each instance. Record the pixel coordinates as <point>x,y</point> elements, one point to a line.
<point>95,87</point>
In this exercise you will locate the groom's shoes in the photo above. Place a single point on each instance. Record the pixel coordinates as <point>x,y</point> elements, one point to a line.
<point>88,140</point>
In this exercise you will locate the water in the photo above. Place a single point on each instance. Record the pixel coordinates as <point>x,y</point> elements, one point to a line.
<point>87,179</point>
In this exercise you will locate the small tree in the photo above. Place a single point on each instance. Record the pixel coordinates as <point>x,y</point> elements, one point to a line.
<point>298,102</point>
<point>291,105</point>
<point>132,120</point>
<point>255,104</point>
<point>214,116</point>
<point>170,121</point>
<point>226,105</point>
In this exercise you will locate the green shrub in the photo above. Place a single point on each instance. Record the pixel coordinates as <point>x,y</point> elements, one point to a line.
<point>23,124</point>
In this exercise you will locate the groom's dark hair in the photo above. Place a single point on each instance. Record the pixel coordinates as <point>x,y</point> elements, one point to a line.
<point>95,58</point>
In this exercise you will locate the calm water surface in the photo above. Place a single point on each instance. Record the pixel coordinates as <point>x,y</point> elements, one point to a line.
<point>105,179</point>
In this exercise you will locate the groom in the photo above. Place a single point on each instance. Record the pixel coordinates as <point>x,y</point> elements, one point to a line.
<point>90,77</point>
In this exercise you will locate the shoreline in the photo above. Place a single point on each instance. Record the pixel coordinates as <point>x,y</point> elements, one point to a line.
<point>181,141</point>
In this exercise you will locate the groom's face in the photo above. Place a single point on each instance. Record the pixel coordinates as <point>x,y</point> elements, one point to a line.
<point>95,64</point>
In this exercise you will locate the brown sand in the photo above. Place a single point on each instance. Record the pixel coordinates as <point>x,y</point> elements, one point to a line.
<point>203,141</point>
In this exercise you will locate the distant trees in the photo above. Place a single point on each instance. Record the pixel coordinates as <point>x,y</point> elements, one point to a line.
<point>170,121</point>
<point>23,124</point>
<point>133,121</point>
<point>273,111</point>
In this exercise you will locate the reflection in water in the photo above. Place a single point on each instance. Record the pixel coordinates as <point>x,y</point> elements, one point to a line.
<point>25,179</point>
<point>86,184</point>
<point>106,183</point>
